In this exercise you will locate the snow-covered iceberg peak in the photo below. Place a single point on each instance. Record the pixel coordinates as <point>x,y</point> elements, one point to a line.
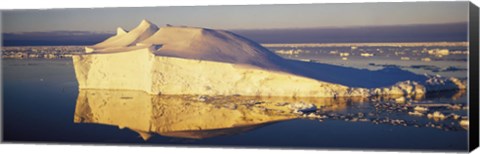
<point>192,43</point>
<point>212,45</point>
<point>125,39</point>
<point>121,31</point>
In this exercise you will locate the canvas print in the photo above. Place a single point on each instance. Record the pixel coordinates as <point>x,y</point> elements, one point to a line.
<point>389,76</point>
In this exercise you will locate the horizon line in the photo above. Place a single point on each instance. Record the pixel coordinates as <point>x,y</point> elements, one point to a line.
<point>253,29</point>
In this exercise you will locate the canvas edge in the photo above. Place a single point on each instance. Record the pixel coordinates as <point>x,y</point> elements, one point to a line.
<point>473,78</point>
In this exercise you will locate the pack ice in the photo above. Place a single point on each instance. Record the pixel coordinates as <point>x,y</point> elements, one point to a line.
<point>199,61</point>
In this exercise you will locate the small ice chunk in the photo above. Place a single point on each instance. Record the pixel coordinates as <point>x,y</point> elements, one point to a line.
<point>415,113</point>
<point>281,104</point>
<point>313,115</point>
<point>231,106</point>
<point>464,123</point>
<point>420,109</point>
<point>436,116</point>
<point>439,83</point>
<point>455,107</point>
<point>400,100</point>
<point>302,107</point>
<point>202,98</point>
<point>454,116</point>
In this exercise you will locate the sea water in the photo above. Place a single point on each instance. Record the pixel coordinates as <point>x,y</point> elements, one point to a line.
<point>40,98</point>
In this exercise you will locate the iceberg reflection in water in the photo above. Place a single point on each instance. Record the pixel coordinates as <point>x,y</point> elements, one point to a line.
<point>199,117</point>
<point>176,116</point>
<point>189,116</point>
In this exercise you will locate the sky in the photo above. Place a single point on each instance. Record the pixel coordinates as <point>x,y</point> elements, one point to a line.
<point>301,23</point>
<point>238,17</point>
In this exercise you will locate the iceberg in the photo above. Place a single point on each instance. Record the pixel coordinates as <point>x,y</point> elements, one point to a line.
<point>181,60</point>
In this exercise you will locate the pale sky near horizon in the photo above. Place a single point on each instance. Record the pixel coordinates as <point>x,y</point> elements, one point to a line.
<point>238,17</point>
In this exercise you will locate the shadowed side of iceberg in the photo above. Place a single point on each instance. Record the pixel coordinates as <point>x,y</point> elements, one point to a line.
<point>353,77</point>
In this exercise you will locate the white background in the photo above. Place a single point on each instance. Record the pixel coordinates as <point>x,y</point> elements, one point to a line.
<point>87,149</point>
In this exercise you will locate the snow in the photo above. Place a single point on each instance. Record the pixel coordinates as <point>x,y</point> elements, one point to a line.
<point>415,113</point>
<point>144,30</point>
<point>404,88</point>
<point>439,83</point>
<point>436,116</point>
<point>211,45</point>
<point>302,107</point>
<point>121,31</point>
<point>420,109</point>
<point>439,52</point>
<point>189,60</point>
<point>465,123</point>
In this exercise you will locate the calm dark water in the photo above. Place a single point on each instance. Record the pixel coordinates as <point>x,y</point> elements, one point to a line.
<point>39,105</point>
